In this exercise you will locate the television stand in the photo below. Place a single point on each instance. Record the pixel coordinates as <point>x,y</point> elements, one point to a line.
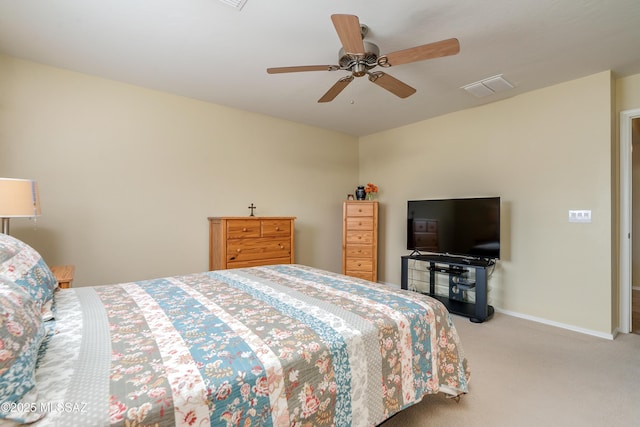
<point>460,283</point>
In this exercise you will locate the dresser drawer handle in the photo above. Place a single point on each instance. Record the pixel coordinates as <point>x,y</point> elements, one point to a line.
<point>281,246</point>
<point>244,229</point>
<point>238,250</point>
<point>277,228</point>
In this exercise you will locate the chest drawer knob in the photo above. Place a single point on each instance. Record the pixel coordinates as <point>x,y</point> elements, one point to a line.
<point>277,228</point>
<point>238,250</point>
<point>244,229</point>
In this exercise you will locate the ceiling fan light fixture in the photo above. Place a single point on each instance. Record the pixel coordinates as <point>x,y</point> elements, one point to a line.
<point>236,4</point>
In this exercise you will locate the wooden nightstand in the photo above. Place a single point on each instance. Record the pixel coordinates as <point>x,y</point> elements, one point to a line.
<point>64,275</point>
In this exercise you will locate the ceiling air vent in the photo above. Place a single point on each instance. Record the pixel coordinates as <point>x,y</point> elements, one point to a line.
<point>488,86</point>
<point>237,4</point>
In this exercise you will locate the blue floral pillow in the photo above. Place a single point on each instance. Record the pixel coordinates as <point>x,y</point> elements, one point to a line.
<point>23,265</point>
<point>21,333</point>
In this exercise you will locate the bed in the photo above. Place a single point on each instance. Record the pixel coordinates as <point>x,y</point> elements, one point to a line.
<point>281,345</point>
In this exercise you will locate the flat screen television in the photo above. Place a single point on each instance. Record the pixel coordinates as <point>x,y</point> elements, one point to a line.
<point>468,227</point>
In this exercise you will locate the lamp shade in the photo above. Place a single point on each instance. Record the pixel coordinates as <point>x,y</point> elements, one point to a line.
<point>19,198</point>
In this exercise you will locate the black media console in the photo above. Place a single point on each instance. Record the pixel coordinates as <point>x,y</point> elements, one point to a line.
<point>460,283</point>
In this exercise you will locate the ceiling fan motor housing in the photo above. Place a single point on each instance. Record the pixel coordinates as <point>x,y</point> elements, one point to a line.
<point>359,64</point>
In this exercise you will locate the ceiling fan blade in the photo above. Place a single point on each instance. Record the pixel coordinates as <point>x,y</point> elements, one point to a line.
<point>420,53</point>
<point>336,89</point>
<point>348,29</point>
<point>391,84</point>
<point>297,69</point>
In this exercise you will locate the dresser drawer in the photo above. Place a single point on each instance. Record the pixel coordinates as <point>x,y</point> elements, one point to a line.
<point>242,229</point>
<point>259,248</point>
<point>360,209</point>
<point>360,264</point>
<point>360,223</point>
<point>276,228</point>
<point>360,237</point>
<point>359,251</point>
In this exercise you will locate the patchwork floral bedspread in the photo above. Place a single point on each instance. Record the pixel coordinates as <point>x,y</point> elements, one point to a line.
<point>283,345</point>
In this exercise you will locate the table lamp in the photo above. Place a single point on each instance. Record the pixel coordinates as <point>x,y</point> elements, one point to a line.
<point>19,198</point>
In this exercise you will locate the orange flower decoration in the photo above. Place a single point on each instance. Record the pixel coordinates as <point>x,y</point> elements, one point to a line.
<point>371,188</point>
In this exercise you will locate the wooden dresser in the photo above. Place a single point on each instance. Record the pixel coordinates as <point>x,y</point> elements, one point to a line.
<point>236,242</point>
<point>360,239</point>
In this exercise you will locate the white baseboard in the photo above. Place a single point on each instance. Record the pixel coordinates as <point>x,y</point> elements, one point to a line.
<point>545,321</point>
<point>558,324</point>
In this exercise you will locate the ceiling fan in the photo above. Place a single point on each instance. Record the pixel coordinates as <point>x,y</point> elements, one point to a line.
<point>359,57</point>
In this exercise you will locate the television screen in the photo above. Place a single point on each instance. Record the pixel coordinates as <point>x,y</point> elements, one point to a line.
<point>464,227</point>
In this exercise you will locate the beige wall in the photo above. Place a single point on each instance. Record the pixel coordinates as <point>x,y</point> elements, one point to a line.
<point>628,93</point>
<point>544,152</point>
<point>128,176</point>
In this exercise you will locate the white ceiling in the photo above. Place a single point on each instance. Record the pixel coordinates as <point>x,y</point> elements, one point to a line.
<point>207,50</point>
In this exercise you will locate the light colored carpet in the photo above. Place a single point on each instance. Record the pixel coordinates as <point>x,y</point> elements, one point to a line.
<point>528,374</point>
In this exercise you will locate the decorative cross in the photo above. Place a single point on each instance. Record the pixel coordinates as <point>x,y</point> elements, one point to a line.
<point>252,208</point>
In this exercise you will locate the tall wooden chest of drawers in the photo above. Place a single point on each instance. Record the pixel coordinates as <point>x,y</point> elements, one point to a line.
<point>360,239</point>
<point>236,242</point>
